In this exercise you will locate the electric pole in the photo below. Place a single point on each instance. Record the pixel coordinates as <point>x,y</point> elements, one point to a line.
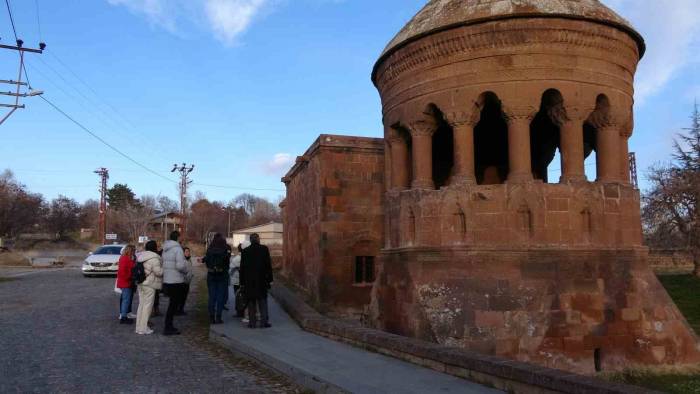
<point>104,176</point>
<point>184,182</point>
<point>18,83</point>
<point>633,170</point>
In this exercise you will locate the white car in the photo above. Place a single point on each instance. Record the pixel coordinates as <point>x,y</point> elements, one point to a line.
<point>103,261</point>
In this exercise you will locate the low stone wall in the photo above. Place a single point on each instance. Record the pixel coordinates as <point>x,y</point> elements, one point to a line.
<point>507,375</point>
<point>670,260</point>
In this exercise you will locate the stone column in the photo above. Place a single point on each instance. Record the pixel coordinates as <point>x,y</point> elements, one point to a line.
<point>399,163</point>
<point>571,146</point>
<point>519,154</point>
<point>463,133</point>
<point>608,148</point>
<point>422,140</point>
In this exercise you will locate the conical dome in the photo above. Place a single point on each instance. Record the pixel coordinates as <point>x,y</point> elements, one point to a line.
<point>440,15</point>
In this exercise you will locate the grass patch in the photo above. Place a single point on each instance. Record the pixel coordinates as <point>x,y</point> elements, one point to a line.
<point>669,382</point>
<point>684,290</point>
<point>7,279</point>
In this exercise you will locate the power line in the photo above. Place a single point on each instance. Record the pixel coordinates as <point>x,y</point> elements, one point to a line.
<point>238,187</point>
<point>38,19</point>
<point>94,92</point>
<point>115,117</point>
<point>12,20</point>
<point>98,113</point>
<point>97,137</point>
<point>14,30</point>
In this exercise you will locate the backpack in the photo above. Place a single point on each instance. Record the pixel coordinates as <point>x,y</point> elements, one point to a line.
<point>216,263</point>
<point>138,273</point>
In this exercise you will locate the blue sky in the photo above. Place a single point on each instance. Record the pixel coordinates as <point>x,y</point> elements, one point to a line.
<point>240,87</point>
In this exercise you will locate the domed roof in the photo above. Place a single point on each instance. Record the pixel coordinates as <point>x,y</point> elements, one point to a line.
<point>440,15</point>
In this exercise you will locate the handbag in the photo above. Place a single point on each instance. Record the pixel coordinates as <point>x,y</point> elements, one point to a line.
<point>240,301</point>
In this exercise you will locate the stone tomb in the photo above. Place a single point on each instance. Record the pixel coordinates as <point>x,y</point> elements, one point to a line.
<point>470,241</point>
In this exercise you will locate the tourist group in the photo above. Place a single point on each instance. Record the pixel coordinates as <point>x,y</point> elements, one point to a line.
<point>168,270</point>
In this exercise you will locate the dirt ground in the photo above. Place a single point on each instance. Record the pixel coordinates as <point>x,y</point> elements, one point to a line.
<point>12,259</point>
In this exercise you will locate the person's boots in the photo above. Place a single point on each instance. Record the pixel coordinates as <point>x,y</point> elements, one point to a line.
<point>212,320</point>
<point>171,331</point>
<point>126,320</point>
<point>218,320</point>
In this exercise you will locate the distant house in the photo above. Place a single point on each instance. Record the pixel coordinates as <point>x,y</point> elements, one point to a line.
<point>270,234</point>
<point>162,224</point>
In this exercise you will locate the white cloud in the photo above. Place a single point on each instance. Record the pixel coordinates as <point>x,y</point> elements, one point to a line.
<point>226,19</point>
<point>230,18</point>
<point>279,164</point>
<point>156,11</point>
<point>671,29</point>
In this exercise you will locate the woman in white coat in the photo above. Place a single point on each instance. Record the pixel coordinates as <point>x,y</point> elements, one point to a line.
<point>234,272</point>
<point>153,267</point>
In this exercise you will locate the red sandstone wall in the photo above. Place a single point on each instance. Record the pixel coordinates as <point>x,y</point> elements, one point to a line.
<point>547,306</point>
<point>352,189</point>
<point>333,213</point>
<point>302,227</point>
<point>581,215</point>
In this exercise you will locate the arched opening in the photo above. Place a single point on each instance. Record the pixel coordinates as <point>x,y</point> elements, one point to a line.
<point>590,135</point>
<point>589,151</point>
<point>545,133</point>
<point>491,142</point>
<point>443,149</point>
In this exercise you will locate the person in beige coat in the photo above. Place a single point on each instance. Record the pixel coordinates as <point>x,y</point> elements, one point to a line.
<point>153,266</point>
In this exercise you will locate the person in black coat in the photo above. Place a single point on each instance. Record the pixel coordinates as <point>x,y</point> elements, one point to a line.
<point>217,260</point>
<point>256,277</point>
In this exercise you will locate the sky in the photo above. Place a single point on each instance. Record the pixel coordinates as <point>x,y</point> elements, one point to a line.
<point>241,87</point>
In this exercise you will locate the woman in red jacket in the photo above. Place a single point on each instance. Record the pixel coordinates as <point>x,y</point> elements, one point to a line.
<point>124,282</point>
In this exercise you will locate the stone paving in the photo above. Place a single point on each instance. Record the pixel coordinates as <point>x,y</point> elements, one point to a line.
<point>59,333</point>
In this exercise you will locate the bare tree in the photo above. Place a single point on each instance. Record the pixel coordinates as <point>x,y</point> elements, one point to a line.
<point>20,210</point>
<point>670,210</point>
<point>166,204</point>
<point>62,216</point>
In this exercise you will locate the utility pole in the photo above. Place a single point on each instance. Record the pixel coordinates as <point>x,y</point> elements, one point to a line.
<point>633,170</point>
<point>184,182</point>
<point>228,210</point>
<point>18,93</point>
<point>104,176</point>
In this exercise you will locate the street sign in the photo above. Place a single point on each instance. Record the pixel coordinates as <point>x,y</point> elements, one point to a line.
<point>111,237</point>
<point>143,239</point>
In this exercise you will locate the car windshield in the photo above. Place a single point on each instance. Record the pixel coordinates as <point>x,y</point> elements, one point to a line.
<point>111,250</point>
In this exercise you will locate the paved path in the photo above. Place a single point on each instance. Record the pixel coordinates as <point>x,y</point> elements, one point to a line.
<point>328,365</point>
<point>59,333</point>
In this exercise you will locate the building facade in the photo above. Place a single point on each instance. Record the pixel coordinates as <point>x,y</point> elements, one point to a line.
<point>480,248</point>
<point>334,222</point>
<point>270,234</point>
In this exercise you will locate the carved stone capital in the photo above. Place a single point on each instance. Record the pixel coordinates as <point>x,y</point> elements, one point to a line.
<point>607,119</point>
<point>396,139</point>
<point>422,128</point>
<point>519,113</point>
<point>575,113</point>
<point>462,118</point>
